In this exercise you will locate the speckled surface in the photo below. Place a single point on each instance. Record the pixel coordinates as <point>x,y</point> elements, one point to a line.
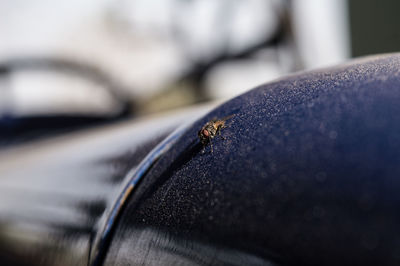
<point>308,174</point>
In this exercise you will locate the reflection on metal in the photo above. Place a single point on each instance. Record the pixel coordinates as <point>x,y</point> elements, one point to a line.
<point>165,248</point>
<point>54,192</point>
<point>108,220</point>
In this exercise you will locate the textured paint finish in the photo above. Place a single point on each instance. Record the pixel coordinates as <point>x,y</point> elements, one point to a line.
<point>308,174</point>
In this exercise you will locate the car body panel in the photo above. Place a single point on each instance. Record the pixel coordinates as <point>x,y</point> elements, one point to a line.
<point>306,172</point>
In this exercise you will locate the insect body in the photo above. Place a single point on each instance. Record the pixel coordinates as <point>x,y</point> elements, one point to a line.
<point>210,130</point>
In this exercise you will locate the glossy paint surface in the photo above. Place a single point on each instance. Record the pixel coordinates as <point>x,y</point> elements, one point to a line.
<point>54,193</point>
<point>308,174</point>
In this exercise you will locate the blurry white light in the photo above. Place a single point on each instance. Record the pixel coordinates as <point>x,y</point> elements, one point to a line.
<point>321,31</point>
<point>233,78</point>
<point>38,93</point>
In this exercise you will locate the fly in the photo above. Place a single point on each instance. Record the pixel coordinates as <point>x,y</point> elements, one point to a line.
<point>211,129</point>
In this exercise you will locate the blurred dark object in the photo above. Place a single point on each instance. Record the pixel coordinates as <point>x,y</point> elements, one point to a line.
<point>224,45</point>
<point>15,128</point>
<point>374,26</point>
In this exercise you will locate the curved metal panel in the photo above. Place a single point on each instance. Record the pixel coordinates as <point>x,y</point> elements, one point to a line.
<point>307,173</point>
<point>133,178</point>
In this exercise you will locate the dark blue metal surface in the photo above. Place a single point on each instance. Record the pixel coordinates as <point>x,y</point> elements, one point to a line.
<point>308,174</point>
<point>133,177</point>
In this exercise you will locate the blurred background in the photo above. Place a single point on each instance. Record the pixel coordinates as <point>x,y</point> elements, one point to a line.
<point>67,65</point>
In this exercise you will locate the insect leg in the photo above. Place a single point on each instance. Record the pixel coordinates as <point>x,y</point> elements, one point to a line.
<point>219,133</point>
<point>211,145</point>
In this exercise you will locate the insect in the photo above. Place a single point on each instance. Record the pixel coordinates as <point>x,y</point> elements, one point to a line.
<point>211,129</point>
